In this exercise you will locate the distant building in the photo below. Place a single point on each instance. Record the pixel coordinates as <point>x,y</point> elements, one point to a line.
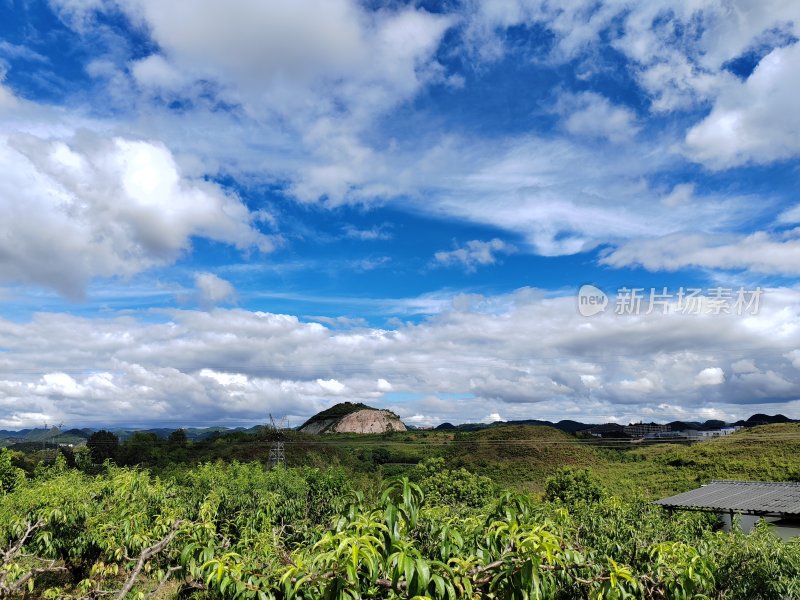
<point>693,434</point>
<point>640,430</point>
<point>775,502</point>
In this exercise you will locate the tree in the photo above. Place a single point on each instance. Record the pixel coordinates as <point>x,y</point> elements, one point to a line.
<point>10,476</point>
<point>573,485</point>
<point>103,445</point>
<point>177,439</point>
<point>141,448</point>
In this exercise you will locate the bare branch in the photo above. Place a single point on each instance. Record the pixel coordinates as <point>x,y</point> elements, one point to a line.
<point>164,580</point>
<point>22,581</point>
<point>146,555</point>
<point>13,550</point>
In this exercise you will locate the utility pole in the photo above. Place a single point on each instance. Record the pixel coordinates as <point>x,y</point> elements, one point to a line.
<point>277,455</point>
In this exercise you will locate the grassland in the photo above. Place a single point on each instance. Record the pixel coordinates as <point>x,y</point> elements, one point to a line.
<point>523,457</point>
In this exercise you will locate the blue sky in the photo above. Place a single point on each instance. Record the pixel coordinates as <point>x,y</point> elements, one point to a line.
<point>218,210</point>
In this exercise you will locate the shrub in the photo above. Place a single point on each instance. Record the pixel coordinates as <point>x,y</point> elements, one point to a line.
<point>570,486</point>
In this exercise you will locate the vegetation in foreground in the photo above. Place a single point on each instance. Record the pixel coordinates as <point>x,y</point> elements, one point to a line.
<point>239,530</point>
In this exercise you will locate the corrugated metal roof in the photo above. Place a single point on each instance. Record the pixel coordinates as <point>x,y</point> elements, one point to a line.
<point>751,497</point>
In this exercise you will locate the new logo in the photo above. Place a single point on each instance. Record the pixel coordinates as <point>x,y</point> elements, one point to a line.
<point>591,300</point>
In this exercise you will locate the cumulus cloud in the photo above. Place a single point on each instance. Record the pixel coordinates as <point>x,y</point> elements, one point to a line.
<point>710,376</point>
<point>319,72</point>
<point>681,55</point>
<point>492,418</point>
<point>755,121</point>
<point>474,253</point>
<point>759,252</point>
<point>522,355</point>
<point>213,290</point>
<point>319,104</point>
<point>86,207</point>
<point>592,115</point>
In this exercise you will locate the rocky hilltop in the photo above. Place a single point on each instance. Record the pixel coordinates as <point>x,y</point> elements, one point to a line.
<point>347,417</point>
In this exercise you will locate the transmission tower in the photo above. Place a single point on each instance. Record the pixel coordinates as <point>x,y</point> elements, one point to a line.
<point>277,455</point>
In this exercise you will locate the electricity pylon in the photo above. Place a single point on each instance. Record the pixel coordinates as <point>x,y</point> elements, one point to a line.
<point>277,455</point>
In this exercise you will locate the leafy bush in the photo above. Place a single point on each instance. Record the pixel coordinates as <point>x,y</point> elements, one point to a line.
<point>570,486</point>
<point>10,476</point>
<point>239,530</point>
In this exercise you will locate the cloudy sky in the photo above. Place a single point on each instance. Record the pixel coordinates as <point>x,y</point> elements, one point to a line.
<point>216,210</point>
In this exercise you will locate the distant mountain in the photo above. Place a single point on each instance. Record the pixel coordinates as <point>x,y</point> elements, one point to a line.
<point>81,433</point>
<point>38,435</point>
<point>684,425</point>
<point>566,425</point>
<point>5,433</point>
<point>569,426</point>
<point>762,419</point>
<point>759,419</point>
<point>78,436</point>
<point>192,433</point>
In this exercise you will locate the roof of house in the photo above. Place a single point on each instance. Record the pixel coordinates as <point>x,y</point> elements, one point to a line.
<point>748,497</point>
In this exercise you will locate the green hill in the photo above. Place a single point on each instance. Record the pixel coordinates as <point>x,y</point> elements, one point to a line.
<point>520,455</point>
<point>765,453</point>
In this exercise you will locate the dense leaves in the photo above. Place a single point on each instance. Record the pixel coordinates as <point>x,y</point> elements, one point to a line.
<point>242,531</point>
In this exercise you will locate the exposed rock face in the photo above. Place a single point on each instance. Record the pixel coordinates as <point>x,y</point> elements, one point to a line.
<point>363,420</point>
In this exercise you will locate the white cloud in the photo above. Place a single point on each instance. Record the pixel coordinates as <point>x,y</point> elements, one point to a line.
<point>306,113</point>
<point>758,252</point>
<point>156,73</point>
<point>681,194</point>
<point>562,198</point>
<point>85,207</point>
<point>474,253</point>
<point>790,216</point>
<point>372,263</point>
<point>213,290</point>
<point>371,234</point>
<point>331,386</point>
<point>710,376</point>
<point>755,121</point>
<point>678,50</point>
<point>19,51</point>
<point>592,115</point>
<point>319,73</point>
<point>8,100</point>
<point>546,361</point>
<point>492,418</point>
<point>744,366</point>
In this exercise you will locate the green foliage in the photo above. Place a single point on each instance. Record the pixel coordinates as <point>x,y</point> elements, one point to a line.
<point>177,439</point>
<point>239,530</point>
<point>103,445</point>
<point>447,487</point>
<point>757,566</point>
<point>10,476</point>
<point>570,486</point>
